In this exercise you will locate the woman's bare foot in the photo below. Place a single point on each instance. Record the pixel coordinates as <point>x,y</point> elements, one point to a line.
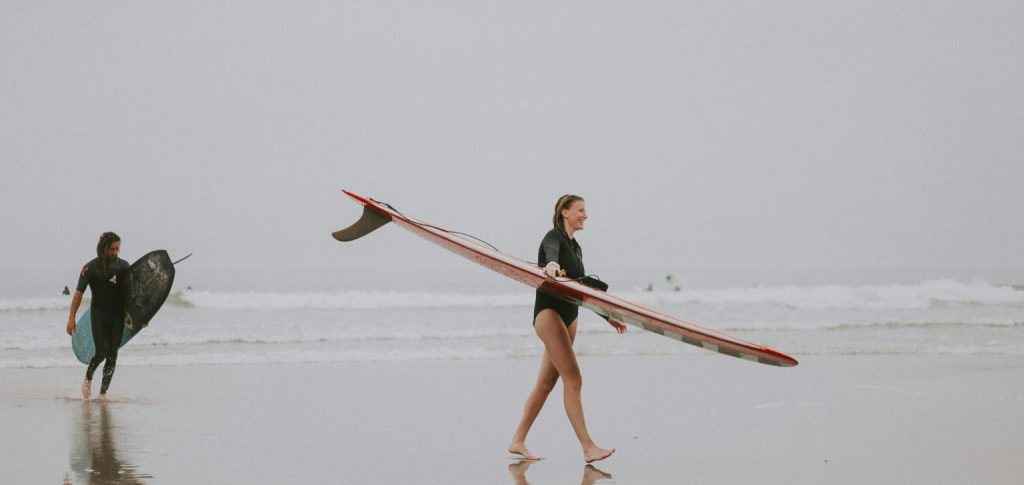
<point>597,454</point>
<point>521,450</point>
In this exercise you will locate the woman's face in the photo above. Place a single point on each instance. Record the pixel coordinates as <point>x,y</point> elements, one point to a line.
<point>574,216</point>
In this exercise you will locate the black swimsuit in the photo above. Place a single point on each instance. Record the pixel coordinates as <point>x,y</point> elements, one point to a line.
<point>556,246</point>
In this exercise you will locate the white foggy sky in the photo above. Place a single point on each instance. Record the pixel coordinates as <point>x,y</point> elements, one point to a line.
<point>749,135</point>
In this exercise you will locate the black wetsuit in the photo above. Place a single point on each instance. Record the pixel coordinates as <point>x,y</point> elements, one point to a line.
<point>556,246</point>
<point>110,288</point>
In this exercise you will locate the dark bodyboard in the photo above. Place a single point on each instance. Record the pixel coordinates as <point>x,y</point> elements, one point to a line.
<point>152,276</point>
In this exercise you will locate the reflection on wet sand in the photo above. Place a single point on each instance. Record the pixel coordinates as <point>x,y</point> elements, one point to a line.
<point>94,456</point>
<point>518,471</point>
<point>591,474</point>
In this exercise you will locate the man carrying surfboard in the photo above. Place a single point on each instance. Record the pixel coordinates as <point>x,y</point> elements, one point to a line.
<point>108,277</point>
<point>555,323</point>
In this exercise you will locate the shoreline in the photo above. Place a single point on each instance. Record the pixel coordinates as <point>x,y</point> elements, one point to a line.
<point>833,419</point>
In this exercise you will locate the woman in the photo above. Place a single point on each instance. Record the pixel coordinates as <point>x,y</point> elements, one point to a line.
<point>555,322</point>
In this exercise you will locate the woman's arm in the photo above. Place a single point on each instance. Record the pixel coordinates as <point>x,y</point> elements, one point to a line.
<point>549,247</point>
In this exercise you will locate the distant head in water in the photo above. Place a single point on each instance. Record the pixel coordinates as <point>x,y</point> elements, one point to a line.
<point>108,247</point>
<point>570,212</point>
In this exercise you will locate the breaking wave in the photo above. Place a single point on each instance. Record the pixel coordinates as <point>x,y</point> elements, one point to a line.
<point>925,295</point>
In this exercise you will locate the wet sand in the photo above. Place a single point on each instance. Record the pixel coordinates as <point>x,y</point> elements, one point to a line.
<point>692,419</point>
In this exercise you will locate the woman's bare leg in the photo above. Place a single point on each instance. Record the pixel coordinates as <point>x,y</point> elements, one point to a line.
<point>558,342</point>
<point>546,380</point>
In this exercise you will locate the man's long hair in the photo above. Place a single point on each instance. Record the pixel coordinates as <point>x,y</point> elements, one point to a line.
<point>103,247</point>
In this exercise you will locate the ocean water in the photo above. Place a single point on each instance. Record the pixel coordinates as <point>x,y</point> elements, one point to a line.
<point>215,326</point>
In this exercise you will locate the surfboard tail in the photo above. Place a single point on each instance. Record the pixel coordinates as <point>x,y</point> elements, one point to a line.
<point>370,221</point>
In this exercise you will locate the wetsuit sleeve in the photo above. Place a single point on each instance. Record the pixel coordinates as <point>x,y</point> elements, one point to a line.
<point>83,278</point>
<point>550,246</point>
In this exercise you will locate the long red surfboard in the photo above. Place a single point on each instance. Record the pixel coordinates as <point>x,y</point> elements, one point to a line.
<point>377,214</point>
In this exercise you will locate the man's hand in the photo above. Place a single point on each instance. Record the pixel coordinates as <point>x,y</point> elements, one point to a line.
<point>71,327</point>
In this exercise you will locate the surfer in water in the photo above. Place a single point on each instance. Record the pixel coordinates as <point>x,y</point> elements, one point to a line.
<point>555,321</point>
<point>108,278</point>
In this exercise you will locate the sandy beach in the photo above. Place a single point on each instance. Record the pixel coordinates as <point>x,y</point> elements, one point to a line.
<point>837,181</point>
<point>698,419</point>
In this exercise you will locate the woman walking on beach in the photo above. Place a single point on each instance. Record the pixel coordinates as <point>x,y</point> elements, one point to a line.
<point>555,321</point>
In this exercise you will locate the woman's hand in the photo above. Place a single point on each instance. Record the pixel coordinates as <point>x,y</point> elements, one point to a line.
<point>617,325</point>
<point>71,327</point>
<point>551,270</point>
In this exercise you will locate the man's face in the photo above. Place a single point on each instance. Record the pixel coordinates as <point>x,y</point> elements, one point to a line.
<point>114,250</point>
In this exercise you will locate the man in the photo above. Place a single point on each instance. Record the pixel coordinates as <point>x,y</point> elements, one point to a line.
<point>108,278</point>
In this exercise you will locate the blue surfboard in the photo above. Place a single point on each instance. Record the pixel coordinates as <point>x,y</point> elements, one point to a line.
<point>82,342</point>
<point>151,279</point>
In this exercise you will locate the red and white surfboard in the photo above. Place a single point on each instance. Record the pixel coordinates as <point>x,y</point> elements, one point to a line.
<point>377,214</point>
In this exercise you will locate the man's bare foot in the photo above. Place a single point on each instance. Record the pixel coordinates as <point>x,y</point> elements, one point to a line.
<point>597,454</point>
<point>521,450</point>
<point>86,389</point>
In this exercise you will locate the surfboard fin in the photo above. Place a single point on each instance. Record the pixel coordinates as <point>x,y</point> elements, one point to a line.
<point>367,223</point>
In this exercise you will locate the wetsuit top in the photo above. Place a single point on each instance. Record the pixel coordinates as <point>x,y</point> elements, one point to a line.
<point>556,246</point>
<point>109,286</point>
